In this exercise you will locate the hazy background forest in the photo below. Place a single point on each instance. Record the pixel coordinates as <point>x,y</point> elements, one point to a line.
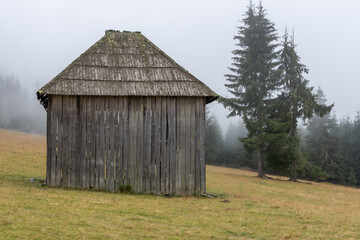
<point>19,108</point>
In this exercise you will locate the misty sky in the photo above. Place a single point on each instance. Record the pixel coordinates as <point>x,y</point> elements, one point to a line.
<point>40,38</point>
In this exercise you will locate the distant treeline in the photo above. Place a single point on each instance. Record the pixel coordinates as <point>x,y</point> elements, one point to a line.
<point>330,149</point>
<point>19,108</point>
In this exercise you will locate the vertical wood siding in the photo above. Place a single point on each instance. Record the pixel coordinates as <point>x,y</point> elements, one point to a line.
<point>154,144</point>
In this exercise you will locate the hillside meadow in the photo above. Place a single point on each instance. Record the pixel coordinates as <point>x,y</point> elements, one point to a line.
<point>245,208</point>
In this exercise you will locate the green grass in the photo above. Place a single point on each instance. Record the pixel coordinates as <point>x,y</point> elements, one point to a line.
<point>256,208</point>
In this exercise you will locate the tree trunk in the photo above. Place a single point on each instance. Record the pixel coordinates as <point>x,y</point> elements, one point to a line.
<point>261,172</point>
<point>293,172</point>
<point>293,167</point>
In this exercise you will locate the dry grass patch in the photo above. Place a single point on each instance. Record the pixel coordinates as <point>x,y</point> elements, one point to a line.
<point>247,207</point>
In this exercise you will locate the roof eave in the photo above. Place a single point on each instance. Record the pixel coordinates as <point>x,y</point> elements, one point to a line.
<point>210,99</point>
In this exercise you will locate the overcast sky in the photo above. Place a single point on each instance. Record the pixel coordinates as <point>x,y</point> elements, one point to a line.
<point>40,38</point>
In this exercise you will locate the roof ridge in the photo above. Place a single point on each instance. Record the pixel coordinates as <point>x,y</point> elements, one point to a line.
<point>118,31</point>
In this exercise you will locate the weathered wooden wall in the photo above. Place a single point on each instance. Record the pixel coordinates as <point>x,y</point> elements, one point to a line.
<point>154,144</point>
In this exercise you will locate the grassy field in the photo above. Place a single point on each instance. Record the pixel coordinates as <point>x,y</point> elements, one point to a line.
<point>246,207</point>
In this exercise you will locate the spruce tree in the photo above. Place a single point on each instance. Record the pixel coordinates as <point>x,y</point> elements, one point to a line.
<point>296,101</point>
<point>352,181</point>
<point>254,78</point>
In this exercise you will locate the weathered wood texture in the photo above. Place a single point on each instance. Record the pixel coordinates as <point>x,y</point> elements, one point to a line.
<point>125,64</point>
<point>154,144</point>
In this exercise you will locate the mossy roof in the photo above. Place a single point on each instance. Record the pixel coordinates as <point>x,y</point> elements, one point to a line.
<point>125,64</point>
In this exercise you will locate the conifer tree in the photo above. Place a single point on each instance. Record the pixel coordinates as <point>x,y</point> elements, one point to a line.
<point>253,78</point>
<point>296,101</point>
<point>352,181</point>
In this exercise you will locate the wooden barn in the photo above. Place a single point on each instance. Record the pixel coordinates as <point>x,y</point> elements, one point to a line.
<point>124,113</point>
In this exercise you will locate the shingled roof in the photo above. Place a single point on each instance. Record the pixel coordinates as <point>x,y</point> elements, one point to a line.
<point>125,64</point>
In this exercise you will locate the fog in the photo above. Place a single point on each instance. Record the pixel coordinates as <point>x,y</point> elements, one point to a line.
<point>18,109</point>
<point>40,38</point>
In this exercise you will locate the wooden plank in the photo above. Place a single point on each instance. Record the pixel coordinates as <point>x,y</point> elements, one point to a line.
<point>148,126</point>
<point>183,146</point>
<point>153,146</point>
<point>111,142</point>
<point>53,140</point>
<point>121,142</point>
<point>107,142</point>
<point>87,111</point>
<point>77,138</point>
<point>71,132</point>
<point>171,152</point>
<point>100,164</point>
<point>136,131</point>
<point>126,149</point>
<point>95,143</point>
<point>143,146</point>
<point>178,146</point>
<point>192,147</point>
<point>72,143</point>
<point>75,148</point>
<point>202,146</point>
<point>65,143</point>
<point>197,150</point>
<point>70,166</point>
<point>59,139</point>
<point>48,142</point>
<point>116,144</point>
<point>88,118</point>
<point>187,144</point>
<point>157,144</point>
<point>82,138</point>
<point>53,111</point>
<point>69,160</point>
<point>140,145</point>
<point>174,143</point>
<point>132,138</point>
<point>134,142</point>
<point>164,181</point>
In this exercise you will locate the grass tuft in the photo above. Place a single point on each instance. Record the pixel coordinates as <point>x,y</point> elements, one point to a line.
<point>125,189</point>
